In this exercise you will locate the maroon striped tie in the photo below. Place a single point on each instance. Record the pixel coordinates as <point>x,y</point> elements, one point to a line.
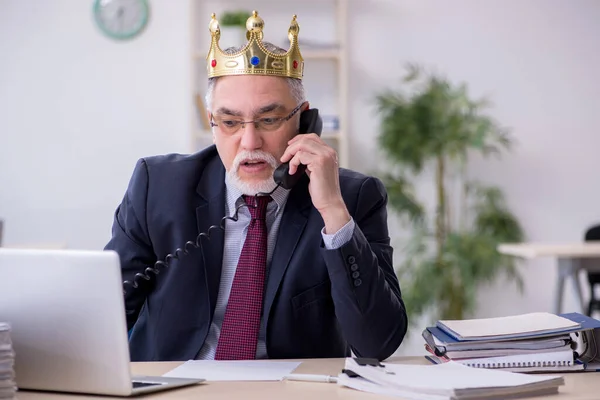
<point>239,332</point>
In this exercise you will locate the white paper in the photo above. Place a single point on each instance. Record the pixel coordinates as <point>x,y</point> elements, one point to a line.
<point>449,380</point>
<point>364,385</point>
<point>254,370</point>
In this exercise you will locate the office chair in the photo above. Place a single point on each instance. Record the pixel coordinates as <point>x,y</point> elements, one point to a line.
<point>593,234</point>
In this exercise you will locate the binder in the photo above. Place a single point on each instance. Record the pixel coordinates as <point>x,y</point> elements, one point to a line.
<point>443,343</point>
<point>485,353</point>
<point>509,327</point>
<point>579,323</point>
<point>533,351</point>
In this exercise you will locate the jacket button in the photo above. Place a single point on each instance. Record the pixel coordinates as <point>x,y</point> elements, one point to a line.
<point>357,282</point>
<point>351,260</point>
<point>354,267</point>
<point>355,274</point>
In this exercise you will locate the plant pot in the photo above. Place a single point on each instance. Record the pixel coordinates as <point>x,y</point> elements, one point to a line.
<point>232,36</point>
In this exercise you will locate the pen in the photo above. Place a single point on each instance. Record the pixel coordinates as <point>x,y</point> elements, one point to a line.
<point>312,378</point>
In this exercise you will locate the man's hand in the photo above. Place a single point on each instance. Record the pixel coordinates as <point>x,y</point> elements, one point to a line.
<point>322,168</point>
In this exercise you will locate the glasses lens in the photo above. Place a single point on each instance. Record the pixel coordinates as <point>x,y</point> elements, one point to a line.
<point>228,125</point>
<point>269,124</point>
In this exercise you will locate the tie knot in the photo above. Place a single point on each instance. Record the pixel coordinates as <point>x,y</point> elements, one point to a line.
<point>257,205</point>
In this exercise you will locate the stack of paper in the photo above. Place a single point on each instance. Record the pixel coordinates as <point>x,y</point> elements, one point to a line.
<point>7,375</point>
<point>534,342</point>
<point>449,381</point>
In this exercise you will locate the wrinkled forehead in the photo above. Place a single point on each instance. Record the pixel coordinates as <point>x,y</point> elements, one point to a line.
<point>252,93</point>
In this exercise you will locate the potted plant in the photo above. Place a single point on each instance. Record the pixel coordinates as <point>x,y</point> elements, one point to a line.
<point>431,129</point>
<point>233,28</point>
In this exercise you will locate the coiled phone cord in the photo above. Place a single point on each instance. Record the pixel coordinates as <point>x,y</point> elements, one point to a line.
<point>188,246</point>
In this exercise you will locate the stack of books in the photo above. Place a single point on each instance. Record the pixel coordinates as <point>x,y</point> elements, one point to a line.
<point>448,381</point>
<point>534,342</point>
<point>8,386</point>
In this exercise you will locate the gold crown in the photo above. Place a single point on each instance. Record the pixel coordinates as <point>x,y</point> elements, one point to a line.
<point>254,58</point>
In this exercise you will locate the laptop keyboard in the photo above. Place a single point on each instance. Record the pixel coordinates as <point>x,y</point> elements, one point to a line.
<point>138,384</point>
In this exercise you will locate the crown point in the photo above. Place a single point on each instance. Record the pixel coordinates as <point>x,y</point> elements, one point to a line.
<point>213,25</point>
<point>255,23</point>
<point>294,28</point>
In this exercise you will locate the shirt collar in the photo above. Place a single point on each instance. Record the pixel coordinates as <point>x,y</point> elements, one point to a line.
<point>234,196</point>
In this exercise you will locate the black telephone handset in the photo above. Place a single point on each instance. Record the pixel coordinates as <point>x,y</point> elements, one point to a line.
<point>310,122</point>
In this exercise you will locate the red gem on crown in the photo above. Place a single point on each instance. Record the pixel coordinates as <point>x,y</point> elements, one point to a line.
<point>213,63</point>
<point>295,64</point>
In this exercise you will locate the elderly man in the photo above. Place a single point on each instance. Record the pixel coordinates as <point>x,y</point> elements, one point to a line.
<point>302,270</point>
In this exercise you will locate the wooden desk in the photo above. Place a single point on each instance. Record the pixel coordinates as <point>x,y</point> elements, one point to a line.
<point>571,258</point>
<point>578,386</point>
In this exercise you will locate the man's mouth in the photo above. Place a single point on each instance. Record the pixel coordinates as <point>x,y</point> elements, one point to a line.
<point>252,162</point>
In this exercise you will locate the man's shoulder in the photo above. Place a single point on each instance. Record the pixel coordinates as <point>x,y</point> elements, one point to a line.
<point>352,178</point>
<point>353,182</point>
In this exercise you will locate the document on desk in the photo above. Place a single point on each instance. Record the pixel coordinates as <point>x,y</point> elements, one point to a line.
<point>253,370</point>
<point>449,381</point>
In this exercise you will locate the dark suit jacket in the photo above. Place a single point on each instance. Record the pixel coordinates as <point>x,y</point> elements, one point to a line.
<point>317,302</point>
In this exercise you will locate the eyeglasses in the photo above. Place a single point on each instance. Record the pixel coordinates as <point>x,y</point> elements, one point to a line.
<point>230,125</point>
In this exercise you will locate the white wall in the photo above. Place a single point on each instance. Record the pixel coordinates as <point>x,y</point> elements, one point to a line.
<point>539,62</point>
<point>77,109</point>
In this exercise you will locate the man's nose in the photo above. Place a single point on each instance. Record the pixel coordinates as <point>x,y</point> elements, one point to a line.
<point>250,136</point>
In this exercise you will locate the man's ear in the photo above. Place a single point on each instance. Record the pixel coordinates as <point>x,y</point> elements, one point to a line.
<point>208,119</point>
<point>306,106</point>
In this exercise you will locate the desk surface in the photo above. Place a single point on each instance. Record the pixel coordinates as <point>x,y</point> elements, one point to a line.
<point>533,250</point>
<point>581,385</point>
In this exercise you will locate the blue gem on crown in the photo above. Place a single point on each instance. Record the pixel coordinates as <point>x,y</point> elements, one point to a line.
<point>254,60</point>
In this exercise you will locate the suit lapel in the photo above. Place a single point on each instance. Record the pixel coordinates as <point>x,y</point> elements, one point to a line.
<point>210,211</point>
<point>291,227</point>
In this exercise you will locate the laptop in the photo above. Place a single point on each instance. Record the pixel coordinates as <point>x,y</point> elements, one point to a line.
<point>68,328</point>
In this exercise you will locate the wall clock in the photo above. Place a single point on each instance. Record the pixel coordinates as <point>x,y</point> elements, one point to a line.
<point>121,19</point>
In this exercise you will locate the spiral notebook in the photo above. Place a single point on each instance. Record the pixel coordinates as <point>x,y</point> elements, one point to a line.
<point>539,362</point>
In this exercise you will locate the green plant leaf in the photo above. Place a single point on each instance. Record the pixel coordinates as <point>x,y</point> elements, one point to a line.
<point>235,18</point>
<point>429,121</point>
<point>402,198</point>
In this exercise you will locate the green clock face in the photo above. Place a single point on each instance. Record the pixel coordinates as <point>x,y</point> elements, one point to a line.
<point>121,19</point>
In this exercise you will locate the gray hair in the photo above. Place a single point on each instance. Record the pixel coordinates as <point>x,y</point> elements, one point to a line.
<point>296,86</point>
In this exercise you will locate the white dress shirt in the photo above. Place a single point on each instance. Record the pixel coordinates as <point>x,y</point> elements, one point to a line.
<point>235,235</point>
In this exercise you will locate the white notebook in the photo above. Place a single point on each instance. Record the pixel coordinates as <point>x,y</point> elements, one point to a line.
<point>551,361</point>
<point>514,326</point>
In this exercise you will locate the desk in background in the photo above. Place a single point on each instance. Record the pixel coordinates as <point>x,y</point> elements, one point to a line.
<point>571,258</point>
<point>580,385</point>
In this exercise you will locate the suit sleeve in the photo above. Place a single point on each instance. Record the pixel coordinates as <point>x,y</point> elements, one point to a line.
<point>130,239</point>
<point>364,286</point>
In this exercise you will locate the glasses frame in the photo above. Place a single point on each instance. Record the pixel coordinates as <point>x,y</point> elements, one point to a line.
<point>256,121</point>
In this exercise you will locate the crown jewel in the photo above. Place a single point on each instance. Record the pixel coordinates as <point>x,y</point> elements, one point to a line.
<point>254,58</point>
